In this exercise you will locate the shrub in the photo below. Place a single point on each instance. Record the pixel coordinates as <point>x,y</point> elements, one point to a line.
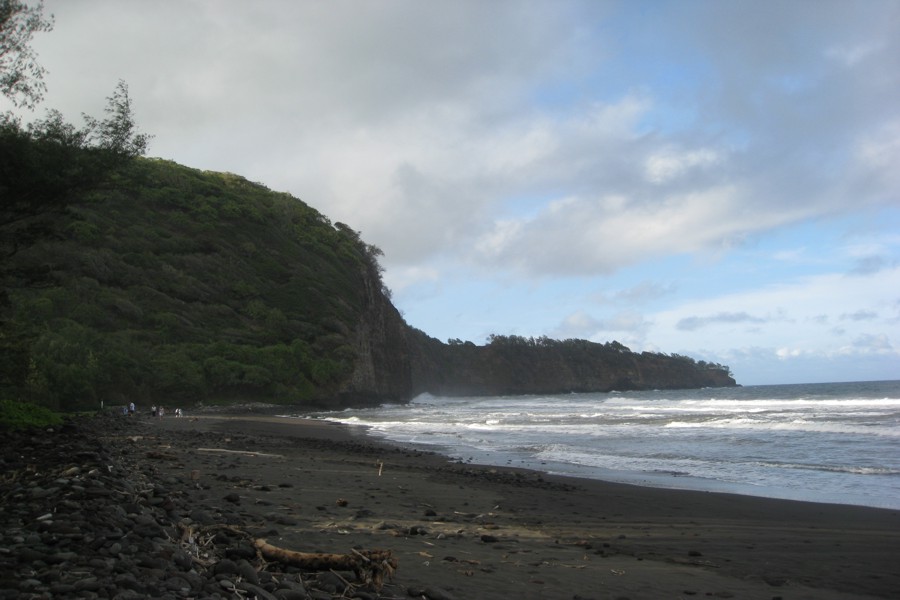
<point>23,415</point>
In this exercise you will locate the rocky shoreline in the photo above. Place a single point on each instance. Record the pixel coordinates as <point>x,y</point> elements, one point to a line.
<point>118,507</point>
<point>85,518</point>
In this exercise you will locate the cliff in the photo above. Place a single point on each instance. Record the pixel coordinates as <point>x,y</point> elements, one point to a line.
<point>516,365</point>
<point>167,284</point>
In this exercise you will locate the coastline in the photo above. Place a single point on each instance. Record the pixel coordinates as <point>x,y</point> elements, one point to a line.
<point>473,531</point>
<point>831,443</point>
<point>458,531</point>
<point>666,480</point>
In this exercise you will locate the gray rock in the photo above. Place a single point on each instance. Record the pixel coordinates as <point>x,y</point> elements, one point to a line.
<point>246,570</point>
<point>260,593</point>
<point>225,567</point>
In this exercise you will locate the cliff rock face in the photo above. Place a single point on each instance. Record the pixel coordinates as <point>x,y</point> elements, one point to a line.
<point>414,363</point>
<point>381,372</point>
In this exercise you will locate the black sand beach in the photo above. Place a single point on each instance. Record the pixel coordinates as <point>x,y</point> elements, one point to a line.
<point>455,531</point>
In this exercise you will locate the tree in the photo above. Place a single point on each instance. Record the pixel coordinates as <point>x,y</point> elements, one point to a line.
<point>46,165</point>
<point>44,168</point>
<point>21,76</point>
<point>118,132</point>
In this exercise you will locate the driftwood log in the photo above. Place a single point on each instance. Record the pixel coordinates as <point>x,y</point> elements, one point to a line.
<point>371,567</point>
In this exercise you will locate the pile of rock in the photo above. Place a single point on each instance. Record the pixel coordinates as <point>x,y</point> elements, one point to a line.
<point>82,518</point>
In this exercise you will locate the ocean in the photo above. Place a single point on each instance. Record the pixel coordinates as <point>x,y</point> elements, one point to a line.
<point>826,442</point>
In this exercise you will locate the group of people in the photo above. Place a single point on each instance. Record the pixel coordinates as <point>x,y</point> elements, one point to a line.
<point>156,411</point>
<point>159,411</point>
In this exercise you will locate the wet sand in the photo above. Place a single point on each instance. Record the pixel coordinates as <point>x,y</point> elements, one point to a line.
<point>471,532</point>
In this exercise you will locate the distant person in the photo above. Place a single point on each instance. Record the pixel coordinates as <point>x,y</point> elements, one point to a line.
<point>153,411</point>
<point>131,408</point>
<point>162,411</point>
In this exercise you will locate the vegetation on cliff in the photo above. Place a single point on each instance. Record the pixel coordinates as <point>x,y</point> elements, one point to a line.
<point>172,284</point>
<point>509,365</point>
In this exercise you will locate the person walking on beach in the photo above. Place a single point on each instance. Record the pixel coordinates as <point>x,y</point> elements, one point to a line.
<point>131,408</point>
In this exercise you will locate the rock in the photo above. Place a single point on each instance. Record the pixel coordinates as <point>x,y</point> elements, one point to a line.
<point>290,595</point>
<point>431,593</point>
<point>330,582</point>
<point>240,551</point>
<point>112,527</point>
<point>246,570</point>
<point>225,567</point>
<point>260,593</point>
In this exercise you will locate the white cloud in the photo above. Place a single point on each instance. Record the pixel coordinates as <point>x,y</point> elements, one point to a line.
<point>584,235</point>
<point>417,124</point>
<point>849,55</point>
<point>791,319</point>
<point>873,343</point>
<point>400,279</point>
<point>669,163</point>
<point>878,154</point>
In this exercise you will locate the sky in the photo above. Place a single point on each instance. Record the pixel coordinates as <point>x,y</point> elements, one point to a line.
<point>719,179</point>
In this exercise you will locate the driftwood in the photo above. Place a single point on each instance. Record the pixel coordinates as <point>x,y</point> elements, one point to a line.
<point>242,452</point>
<point>370,566</point>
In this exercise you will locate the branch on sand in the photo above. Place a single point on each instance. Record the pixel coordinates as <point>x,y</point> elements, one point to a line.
<point>370,566</point>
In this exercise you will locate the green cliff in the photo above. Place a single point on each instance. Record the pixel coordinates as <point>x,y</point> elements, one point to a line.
<point>167,284</point>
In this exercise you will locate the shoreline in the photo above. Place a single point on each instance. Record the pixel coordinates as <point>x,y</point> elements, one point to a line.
<point>529,534</point>
<point>659,480</point>
<point>171,508</point>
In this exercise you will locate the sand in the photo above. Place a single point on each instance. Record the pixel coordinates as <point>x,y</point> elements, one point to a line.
<point>475,532</point>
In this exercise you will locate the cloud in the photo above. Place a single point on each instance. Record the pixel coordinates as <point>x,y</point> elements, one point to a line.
<point>580,324</point>
<point>694,323</point>
<point>626,321</point>
<point>873,343</point>
<point>868,265</point>
<point>423,126</point>
<point>400,279</point>
<point>851,55</point>
<point>669,163</point>
<point>641,293</point>
<point>860,315</point>
<point>577,325</point>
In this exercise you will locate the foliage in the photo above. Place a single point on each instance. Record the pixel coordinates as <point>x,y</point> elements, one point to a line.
<point>21,77</point>
<point>578,345</point>
<point>25,415</point>
<point>117,134</point>
<point>170,284</point>
<point>46,165</point>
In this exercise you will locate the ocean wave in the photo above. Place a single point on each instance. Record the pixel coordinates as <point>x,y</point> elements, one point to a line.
<point>799,425</point>
<point>832,468</point>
